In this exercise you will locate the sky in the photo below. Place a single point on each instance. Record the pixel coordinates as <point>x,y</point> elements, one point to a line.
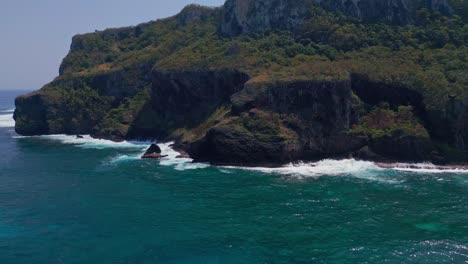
<point>36,34</point>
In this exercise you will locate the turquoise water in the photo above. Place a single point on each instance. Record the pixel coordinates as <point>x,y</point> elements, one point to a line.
<point>64,200</point>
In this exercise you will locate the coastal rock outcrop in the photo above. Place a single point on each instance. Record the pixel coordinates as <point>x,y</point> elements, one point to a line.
<point>153,152</point>
<point>249,16</point>
<point>285,122</point>
<point>271,81</point>
<point>187,98</point>
<point>30,115</point>
<point>259,16</point>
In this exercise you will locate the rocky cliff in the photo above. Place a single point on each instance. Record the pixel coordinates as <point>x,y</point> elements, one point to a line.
<point>284,122</point>
<point>259,16</point>
<point>268,82</point>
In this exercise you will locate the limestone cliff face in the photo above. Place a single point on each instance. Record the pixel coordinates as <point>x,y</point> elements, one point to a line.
<point>258,16</point>
<point>391,11</point>
<point>82,105</point>
<point>30,115</point>
<point>256,100</point>
<point>184,99</point>
<point>248,16</point>
<point>284,122</point>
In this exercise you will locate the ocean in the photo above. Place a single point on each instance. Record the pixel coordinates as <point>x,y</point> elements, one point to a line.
<point>69,200</point>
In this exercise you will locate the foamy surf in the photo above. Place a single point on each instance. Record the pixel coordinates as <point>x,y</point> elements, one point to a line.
<point>426,168</point>
<point>88,142</point>
<point>7,110</point>
<point>350,167</point>
<point>171,160</point>
<point>301,170</point>
<point>6,120</point>
<point>178,163</point>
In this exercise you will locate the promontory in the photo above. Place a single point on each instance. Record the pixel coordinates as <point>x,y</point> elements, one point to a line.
<point>272,81</point>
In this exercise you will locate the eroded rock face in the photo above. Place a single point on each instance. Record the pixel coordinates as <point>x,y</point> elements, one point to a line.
<point>399,12</point>
<point>258,16</point>
<point>153,152</point>
<point>30,115</point>
<point>285,122</point>
<point>193,13</point>
<point>186,98</point>
<point>403,148</point>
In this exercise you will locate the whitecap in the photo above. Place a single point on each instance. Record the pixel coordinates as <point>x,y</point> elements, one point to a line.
<point>178,163</point>
<point>125,158</point>
<point>350,167</point>
<point>7,120</point>
<point>171,158</point>
<point>88,142</point>
<point>428,168</point>
<point>328,167</point>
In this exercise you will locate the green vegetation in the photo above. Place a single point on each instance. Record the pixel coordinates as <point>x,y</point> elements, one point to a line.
<point>117,121</point>
<point>430,56</point>
<point>114,49</point>
<point>198,132</point>
<point>383,121</point>
<point>262,126</point>
<point>70,110</point>
<point>105,85</point>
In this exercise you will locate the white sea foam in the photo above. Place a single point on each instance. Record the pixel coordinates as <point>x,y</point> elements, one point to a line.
<point>92,143</point>
<point>8,110</point>
<point>6,120</point>
<point>428,168</point>
<point>171,160</point>
<point>361,169</point>
<point>350,167</point>
<point>178,163</point>
<point>125,158</point>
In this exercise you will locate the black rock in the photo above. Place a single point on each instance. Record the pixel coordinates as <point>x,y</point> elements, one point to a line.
<point>153,149</point>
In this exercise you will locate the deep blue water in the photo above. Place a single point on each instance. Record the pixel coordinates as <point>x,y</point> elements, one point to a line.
<point>65,200</point>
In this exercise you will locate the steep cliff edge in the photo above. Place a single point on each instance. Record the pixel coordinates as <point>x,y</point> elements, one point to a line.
<point>260,16</point>
<point>284,122</point>
<point>271,81</point>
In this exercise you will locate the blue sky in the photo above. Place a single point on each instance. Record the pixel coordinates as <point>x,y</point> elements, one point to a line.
<point>36,34</point>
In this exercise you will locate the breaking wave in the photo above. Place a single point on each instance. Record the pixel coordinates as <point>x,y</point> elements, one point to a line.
<point>172,159</point>
<point>88,142</point>
<point>178,163</point>
<point>7,110</point>
<point>429,168</point>
<point>301,170</point>
<point>350,167</point>
<point>6,120</point>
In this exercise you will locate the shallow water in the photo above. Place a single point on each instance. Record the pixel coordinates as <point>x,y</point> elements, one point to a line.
<point>68,200</point>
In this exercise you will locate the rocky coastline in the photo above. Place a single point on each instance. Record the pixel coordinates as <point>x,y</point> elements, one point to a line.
<point>239,103</point>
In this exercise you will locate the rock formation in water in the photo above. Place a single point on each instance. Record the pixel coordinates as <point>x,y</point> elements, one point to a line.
<point>153,152</point>
<point>272,81</point>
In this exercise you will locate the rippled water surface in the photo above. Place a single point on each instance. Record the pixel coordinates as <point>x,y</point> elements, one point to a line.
<point>68,200</point>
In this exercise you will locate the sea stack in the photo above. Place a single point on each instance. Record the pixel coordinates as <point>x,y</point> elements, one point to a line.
<point>153,152</point>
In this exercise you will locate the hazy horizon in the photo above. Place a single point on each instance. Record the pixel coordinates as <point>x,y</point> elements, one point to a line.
<point>37,34</point>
